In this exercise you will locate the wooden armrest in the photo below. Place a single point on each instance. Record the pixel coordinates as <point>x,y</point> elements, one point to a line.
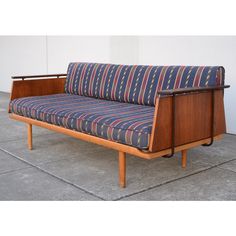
<point>190,90</point>
<point>38,76</point>
<point>37,87</point>
<point>193,116</point>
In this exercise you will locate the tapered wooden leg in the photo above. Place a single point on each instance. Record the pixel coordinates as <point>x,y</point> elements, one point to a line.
<point>29,136</point>
<point>184,158</point>
<point>122,169</point>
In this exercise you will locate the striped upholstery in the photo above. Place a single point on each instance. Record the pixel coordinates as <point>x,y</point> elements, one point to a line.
<point>136,84</point>
<point>124,111</point>
<point>121,122</point>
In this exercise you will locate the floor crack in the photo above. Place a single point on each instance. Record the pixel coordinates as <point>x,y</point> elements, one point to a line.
<point>227,169</point>
<point>120,198</point>
<point>12,171</point>
<point>55,176</point>
<point>173,180</point>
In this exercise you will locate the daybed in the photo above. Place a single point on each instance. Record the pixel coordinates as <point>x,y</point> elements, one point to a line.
<point>146,111</point>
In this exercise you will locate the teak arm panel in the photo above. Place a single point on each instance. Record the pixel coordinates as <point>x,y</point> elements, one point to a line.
<point>193,119</point>
<point>37,87</point>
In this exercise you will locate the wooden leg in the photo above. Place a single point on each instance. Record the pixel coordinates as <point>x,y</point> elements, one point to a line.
<point>184,158</point>
<point>29,136</point>
<point>122,169</point>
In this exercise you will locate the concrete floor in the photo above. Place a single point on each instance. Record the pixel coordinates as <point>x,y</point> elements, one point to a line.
<point>63,168</point>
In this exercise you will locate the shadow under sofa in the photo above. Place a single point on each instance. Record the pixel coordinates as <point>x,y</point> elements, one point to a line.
<point>146,111</point>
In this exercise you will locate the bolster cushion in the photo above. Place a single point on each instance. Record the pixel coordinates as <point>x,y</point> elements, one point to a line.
<point>136,83</point>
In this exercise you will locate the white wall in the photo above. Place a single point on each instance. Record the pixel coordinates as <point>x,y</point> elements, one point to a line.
<point>65,49</point>
<point>124,49</point>
<point>41,54</point>
<point>21,55</point>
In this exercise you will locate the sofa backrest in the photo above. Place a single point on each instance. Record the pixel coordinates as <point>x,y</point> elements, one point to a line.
<point>136,83</point>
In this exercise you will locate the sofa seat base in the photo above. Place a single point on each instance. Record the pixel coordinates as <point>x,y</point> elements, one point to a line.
<point>145,154</point>
<point>125,123</point>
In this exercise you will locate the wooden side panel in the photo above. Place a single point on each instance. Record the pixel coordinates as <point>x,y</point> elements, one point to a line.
<point>37,87</point>
<point>161,129</point>
<point>220,124</point>
<point>193,119</point>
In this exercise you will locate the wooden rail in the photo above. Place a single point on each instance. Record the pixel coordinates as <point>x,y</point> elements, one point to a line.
<point>38,76</point>
<point>192,89</point>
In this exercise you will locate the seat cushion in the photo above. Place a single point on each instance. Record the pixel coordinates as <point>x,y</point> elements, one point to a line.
<point>126,123</point>
<point>136,84</point>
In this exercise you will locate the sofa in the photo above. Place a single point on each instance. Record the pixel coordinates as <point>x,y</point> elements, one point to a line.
<point>145,111</point>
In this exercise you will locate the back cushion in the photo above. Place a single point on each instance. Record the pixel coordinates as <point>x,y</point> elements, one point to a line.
<point>136,83</point>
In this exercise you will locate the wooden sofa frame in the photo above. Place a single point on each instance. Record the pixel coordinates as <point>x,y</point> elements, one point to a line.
<point>183,119</point>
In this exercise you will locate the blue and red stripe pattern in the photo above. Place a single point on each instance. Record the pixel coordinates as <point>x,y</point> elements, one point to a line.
<point>125,123</point>
<point>136,83</point>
